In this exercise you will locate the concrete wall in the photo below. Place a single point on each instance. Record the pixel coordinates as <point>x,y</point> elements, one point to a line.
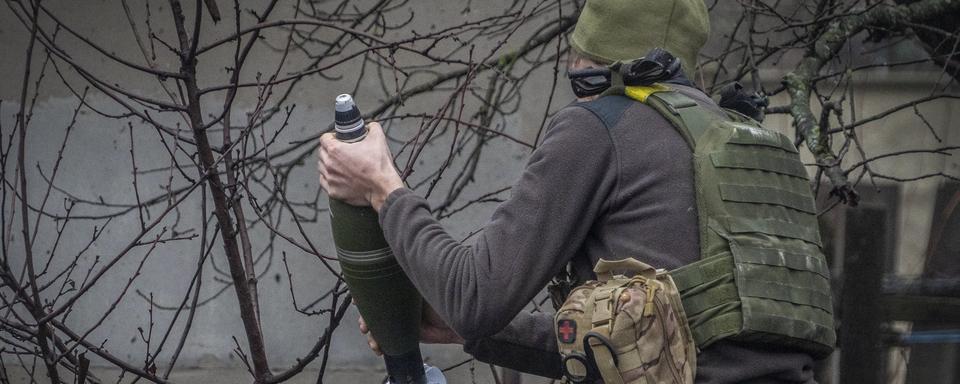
<point>97,164</point>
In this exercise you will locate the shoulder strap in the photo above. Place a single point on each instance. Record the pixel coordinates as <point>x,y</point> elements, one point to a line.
<point>688,117</point>
<point>608,108</point>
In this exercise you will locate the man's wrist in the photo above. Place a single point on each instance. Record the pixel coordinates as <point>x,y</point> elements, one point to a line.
<point>383,189</point>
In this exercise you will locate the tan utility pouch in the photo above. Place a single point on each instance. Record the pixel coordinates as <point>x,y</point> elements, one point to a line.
<point>626,329</point>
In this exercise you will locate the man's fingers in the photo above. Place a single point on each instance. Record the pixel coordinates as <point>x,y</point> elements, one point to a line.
<point>329,144</point>
<point>323,161</point>
<point>327,138</point>
<point>363,326</point>
<point>370,341</point>
<point>325,157</point>
<point>324,183</point>
<point>376,131</point>
<point>323,167</point>
<point>374,346</point>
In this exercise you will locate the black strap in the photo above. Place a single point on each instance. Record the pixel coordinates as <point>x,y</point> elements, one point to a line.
<point>608,109</point>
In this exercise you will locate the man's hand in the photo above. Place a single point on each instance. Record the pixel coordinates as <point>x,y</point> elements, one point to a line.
<point>359,173</point>
<point>433,330</point>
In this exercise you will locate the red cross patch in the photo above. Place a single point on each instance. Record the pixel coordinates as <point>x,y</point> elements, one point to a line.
<point>567,329</point>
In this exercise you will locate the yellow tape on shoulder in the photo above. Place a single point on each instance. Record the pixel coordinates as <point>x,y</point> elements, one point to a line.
<point>641,93</point>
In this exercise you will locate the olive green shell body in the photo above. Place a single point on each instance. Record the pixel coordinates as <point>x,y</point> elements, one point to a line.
<point>388,302</point>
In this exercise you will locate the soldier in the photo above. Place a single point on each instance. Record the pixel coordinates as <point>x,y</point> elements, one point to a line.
<point>613,178</point>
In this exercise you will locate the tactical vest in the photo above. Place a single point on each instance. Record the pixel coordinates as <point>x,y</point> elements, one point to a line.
<point>762,277</point>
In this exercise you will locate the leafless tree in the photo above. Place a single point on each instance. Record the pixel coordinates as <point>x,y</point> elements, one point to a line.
<point>476,72</point>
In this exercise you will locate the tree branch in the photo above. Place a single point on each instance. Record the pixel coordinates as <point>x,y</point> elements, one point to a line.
<point>800,82</point>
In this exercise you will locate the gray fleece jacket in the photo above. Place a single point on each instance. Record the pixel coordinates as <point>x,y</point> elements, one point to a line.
<point>597,187</point>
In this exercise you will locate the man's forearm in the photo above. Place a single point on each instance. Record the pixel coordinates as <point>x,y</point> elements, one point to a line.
<point>527,344</point>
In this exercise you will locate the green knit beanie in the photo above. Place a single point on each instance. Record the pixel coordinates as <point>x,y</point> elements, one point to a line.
<point>611,30</point>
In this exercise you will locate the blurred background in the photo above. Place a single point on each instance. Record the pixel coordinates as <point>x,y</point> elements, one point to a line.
<point>135,135</point>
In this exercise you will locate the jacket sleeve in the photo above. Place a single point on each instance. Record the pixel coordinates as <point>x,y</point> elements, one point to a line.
<point>526,344</point>
<point>479,288</point>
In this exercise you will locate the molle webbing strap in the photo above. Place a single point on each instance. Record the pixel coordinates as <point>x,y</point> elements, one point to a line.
<point>727,321</point>
<point>758,160</point>
<point>792,260</point>
<point>762,137</point>
<point>772,227</point>
<point>766,195</point>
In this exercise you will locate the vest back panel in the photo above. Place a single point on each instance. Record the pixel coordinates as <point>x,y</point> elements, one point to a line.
<point>762,276</point>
